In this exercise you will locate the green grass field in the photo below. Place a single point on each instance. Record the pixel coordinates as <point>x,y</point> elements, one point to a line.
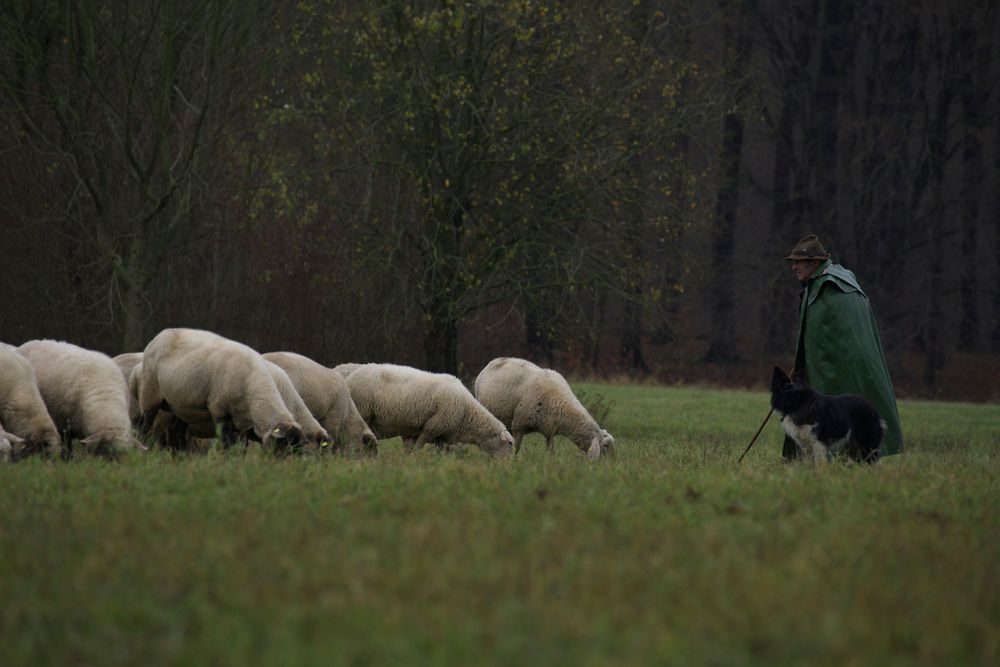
<point>668,554</point>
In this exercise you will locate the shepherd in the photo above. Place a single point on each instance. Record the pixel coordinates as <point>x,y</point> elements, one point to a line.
<point>838,346</point>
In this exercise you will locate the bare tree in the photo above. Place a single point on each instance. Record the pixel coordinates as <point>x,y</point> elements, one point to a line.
<point>123,101</point>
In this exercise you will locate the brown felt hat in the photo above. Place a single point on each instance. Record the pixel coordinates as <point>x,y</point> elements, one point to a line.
<point>808,247</point>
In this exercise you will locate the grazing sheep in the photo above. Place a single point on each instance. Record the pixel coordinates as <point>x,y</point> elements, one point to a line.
<point>422,407</point>
<point>529,399</point>
<point>212,382</point>
<point>165,425</point>
<point>22,409</point>
<point>84,393</point>
<point>328,398</point>
<point>126,364</point>
<point>311,429</point>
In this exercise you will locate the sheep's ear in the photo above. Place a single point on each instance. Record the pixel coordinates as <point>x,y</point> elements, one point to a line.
<point>91,440</point>
<point>594,452</point>
<point>13,439</point>
<point>607,443</point>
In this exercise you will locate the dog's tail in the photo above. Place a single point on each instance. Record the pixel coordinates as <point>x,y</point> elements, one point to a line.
<point>871,454</point>
<point>883,429</point>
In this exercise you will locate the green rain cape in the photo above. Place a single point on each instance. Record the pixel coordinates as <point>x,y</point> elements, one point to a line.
<point>839,348</point>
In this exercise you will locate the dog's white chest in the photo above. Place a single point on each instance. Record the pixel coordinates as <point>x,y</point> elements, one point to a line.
<point>804,436</point>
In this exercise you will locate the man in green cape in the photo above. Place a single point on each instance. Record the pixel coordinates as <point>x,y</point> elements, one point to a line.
<point>838,345</point>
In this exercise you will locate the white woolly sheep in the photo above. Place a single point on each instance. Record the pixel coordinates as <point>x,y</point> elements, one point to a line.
<point>126,364</point>
<point>312,430</point>
<point>211,382</point>
<point>424,407</point>
<point>131,363</point>
<point>328,398</point>
<point>84,393</point>
<point>22,410</point>
<point>529,399</point>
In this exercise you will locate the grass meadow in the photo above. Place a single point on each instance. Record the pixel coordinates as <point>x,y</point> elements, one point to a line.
<point>669,553</point>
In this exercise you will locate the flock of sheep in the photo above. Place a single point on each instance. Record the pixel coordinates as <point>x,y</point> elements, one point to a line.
<point>190,383</point>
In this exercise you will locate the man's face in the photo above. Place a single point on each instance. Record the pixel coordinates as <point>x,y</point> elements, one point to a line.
<point>803,268</point>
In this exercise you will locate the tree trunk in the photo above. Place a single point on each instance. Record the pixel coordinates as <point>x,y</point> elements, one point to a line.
<point>834,47</point>
<point>933,214</point>
<point>441,341</point>
<point>442,288</point>
<point>974,98</point>
<point>790,57</point>
<point>539,343</point>
<point>995,337</point>
<point>722,345</point>
<point>597,327</point>
<point>631,351</point>
<point>133,282</point>
<point>779,308</point>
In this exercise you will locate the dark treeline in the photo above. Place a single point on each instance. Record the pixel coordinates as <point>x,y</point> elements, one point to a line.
<point>609,189</point>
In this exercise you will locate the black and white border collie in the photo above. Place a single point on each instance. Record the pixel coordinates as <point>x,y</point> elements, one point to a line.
<point>821,424</point>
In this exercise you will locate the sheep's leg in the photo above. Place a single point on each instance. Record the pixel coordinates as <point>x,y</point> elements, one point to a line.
<point>225,431</point>
<point>67,450</point>
<point>150,400</point>
<point>421,440</point>
<point>518,436</point>
<point>176,435</point>
<point>147,418</point>
<point>409,444</point>
<point>550,443</point>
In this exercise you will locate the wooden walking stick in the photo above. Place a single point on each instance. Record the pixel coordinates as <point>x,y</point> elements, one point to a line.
<point>755,435</point>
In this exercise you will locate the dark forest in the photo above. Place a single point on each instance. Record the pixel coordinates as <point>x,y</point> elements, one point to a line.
<point>609,190</point>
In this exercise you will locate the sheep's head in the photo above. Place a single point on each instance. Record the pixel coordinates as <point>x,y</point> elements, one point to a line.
<point>112,445</point>
<point>369,443</point>
<point>47,440</point>
<point>36,436</point>
<point>43,441</point>
<point>499,444</point>
<point>597,443</point>
<point>357,438</point>
<point>283,435</point>
<point>320,438</point>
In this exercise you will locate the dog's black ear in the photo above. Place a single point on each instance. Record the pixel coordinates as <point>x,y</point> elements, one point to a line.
<point>778,379</point>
